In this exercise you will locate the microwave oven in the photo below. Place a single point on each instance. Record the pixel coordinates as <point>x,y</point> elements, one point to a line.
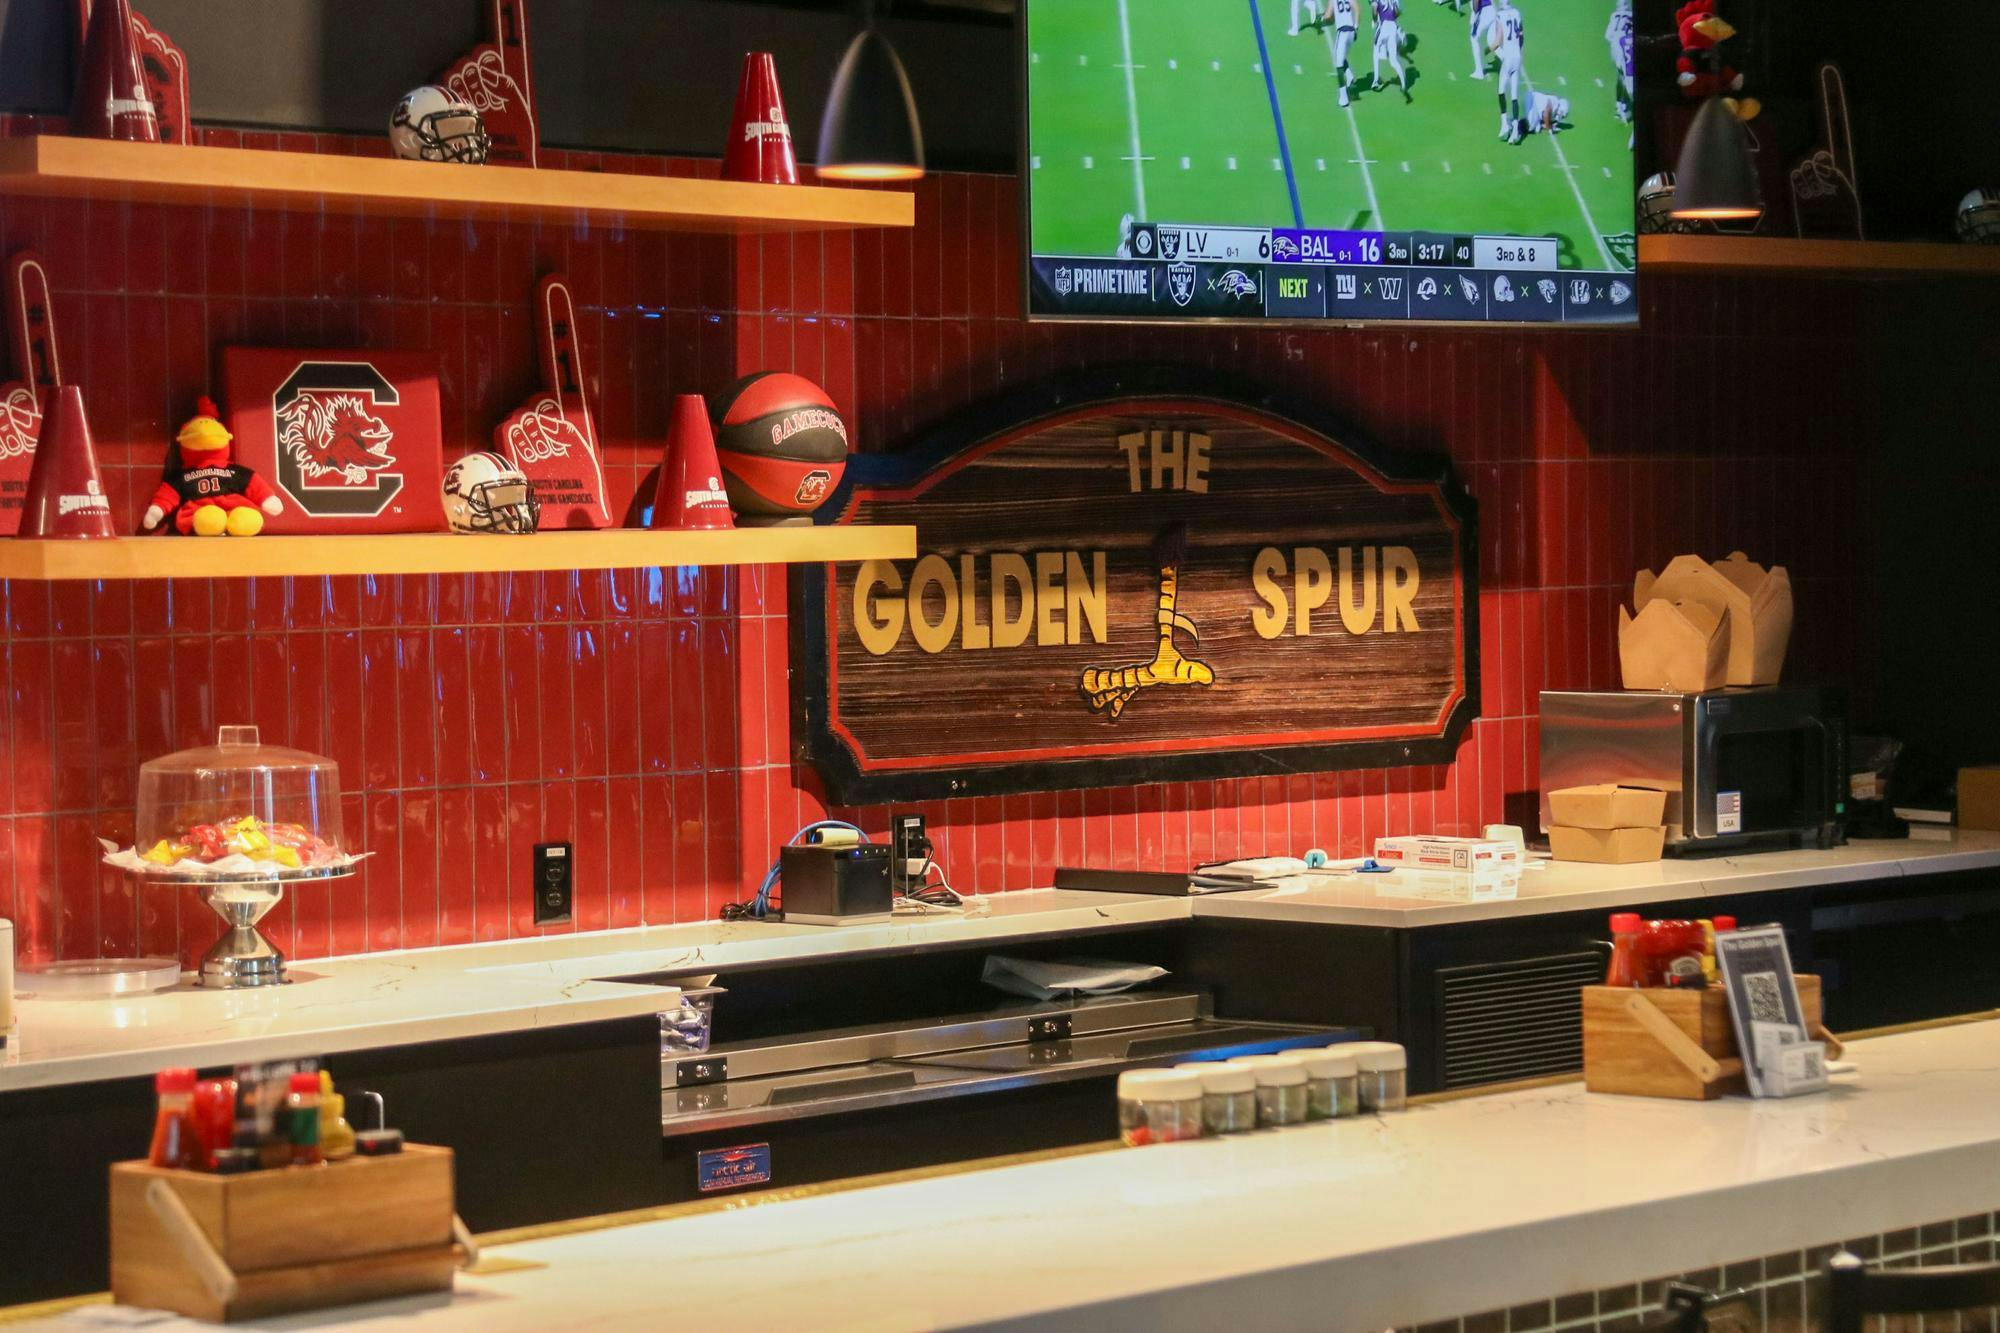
<point>1764,766</point>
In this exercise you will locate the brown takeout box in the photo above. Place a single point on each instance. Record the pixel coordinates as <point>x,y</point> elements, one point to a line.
<point>1607,846</point>
<point>1979,797</point>
<point>1607,805</point>
<point>1681,647</point>
<point>1755,605</point>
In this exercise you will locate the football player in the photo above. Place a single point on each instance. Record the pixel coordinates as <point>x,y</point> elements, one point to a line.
<point>1389,44</point>
<point>1546,114</point>
<point>1618,36</point>
<point>1482,36</point>
<point>1343,15</point>
<point>1508,37</point>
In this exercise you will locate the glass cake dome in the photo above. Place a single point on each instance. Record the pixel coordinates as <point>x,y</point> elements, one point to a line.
<point>240,809</point>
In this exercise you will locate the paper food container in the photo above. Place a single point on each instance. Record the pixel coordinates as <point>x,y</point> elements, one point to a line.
<point>1607,846</point>
<point>1682,647</point>
<point>1607,805</point>
<point>1755,604</point>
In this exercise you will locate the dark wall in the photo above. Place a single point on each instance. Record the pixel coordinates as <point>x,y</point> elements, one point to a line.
<point>644,75</point>
<point>1933,518</point>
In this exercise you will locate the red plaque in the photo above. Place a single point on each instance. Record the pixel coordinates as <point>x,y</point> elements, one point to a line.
<point>163,68</point>
<point>494,80</point>
<point>551,437</point>
<point>351,439</point>
<point>31,334</point>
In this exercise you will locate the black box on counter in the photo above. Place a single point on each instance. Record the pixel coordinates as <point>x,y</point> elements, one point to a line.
<point>831,886</point>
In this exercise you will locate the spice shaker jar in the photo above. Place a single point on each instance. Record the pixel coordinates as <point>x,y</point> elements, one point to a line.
<point>1383,1069</point>
<point>1228,1096</point>
<point>1281,1088</point>
<point>1158,1106</point>
<point>1331,1081</point>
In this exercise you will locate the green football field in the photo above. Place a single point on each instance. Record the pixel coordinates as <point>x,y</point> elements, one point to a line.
<point>1208,111</point>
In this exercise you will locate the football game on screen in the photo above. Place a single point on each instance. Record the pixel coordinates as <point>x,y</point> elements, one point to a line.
<point>1461,160</point>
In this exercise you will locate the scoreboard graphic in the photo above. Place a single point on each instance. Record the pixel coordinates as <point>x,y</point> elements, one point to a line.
<point>1300,273</point>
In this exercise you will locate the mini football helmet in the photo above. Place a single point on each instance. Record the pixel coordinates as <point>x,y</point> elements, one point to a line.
<point>431,125</point>
<point>1656,207</point>
<point>486,493</point>
<point>1979,217</point>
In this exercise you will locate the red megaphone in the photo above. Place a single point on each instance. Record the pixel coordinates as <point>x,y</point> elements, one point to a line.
<point>65,494</point>
<point>112,101</point>
<point>690,493</point>
<point>760,139</point>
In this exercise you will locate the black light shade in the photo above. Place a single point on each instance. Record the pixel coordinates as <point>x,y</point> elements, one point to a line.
<point>870,129</point>
<point>1716,177</point>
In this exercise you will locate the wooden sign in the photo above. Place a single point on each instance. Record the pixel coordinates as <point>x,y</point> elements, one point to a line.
<point>1130,578</point>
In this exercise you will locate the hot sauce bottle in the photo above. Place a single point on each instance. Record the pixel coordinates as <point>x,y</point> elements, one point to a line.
<point>176,1143</point>
<point>302,1118</point>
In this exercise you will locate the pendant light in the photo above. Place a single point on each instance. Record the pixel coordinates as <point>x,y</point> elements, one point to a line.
<point>869,131</point>
<point>1716,177</point>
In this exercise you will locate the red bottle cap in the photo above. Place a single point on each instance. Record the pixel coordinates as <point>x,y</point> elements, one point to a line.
<point>173,1080</point>
<point>1723,923</point>
<point>1624,923</point>
<point>305,1083</point>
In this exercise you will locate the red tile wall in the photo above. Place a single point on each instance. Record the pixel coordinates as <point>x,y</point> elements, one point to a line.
<point>644,715</point>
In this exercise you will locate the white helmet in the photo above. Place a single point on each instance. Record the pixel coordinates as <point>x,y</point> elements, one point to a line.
<point>431,125</point>
<point>486,493</point>
<point>1979,217</point>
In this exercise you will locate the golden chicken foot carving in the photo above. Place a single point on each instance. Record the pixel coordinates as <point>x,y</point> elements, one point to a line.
<point>1109,689</point>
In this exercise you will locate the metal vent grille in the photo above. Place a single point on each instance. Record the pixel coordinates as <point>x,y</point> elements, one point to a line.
<point>1521,1019</point>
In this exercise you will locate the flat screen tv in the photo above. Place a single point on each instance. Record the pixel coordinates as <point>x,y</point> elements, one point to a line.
<point>1344,160</point>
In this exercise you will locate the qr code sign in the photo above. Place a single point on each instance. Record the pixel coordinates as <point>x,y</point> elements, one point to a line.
<point>1766,996</point>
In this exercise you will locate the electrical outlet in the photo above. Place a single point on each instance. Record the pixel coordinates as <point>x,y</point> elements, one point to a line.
<point>553,883</point>
<point>909,852</point>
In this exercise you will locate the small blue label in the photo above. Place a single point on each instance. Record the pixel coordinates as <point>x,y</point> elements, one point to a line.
<point>733,1168</point>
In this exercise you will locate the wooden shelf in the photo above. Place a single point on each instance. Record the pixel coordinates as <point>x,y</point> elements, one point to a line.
<point>443,553</point>
<point>1776,254</point>
<point>169,173</point>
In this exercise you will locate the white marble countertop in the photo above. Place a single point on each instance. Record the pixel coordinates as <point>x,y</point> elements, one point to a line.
<point>417,995</point>
<point>394,999</point>
<point>1406,900</point>
<point>1359,1224</point>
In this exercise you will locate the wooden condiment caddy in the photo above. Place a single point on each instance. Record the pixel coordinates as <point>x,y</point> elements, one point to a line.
<point>1672,1043</point>
<point>223,1248</point>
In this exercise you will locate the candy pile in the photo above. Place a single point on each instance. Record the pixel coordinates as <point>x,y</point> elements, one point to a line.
<point>292,846</point>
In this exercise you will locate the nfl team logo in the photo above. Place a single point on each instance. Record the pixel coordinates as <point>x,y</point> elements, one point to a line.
<point>1392,289</point>
<point>1579,291</point>
<point>1620,293</point>
<point>1427,289</point>
<point>1470,290</point>
<point>1065,281</point>
<point>351,439</point>
<point>1180,280</point>
<point>1170,245</point>
<point>1343,286</point>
